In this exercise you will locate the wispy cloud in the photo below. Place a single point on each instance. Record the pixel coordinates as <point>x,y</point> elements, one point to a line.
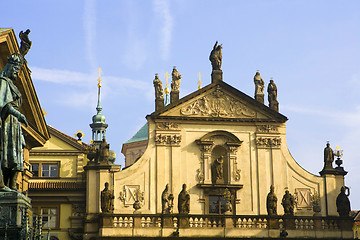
<point>84,83</point>
<point>89,22</point>
<point>161,7</point>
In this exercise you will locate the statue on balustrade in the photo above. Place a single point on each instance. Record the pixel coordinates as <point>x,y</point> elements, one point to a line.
<point>184,201</point>
<point>288,204</point>
<point>343,203</point>
<point>217,170</point>
<point>167,201</point>
<point>271,202</point>
<point>107,199</point>
<point>12,140</point>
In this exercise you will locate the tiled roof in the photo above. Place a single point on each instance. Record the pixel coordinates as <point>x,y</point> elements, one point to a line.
<point>56,185</point>
<point>141,135</point>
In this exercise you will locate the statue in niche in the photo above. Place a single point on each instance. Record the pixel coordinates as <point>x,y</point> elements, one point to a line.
<point>167,200</point>
<point>12,139</point>
<point>216,57</point>
<point>176,80</point>
<point>343,203</point>
<point>271,202</point>
<point>328,156</point>
<point>259,84</point>
<point>184,201</point>
<point>288,204</point>
<point>218,170</point>
<point>107,200</point>
<point>272,96</point>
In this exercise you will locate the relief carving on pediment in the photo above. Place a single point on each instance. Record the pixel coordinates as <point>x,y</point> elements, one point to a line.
<point>268,142</point>
<point>217,104</point>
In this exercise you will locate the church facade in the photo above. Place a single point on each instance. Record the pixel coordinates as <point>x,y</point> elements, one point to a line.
<point>216,165</point>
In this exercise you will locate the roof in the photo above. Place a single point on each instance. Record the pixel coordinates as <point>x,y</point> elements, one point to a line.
<point>66,138</point>
<point>141,135</point>
<point>274,116</point>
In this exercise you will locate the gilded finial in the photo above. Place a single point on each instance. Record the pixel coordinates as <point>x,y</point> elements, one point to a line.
<point>167,75</point>
<point>79,134</point>
<point>99,80</point>
<point>44,112</point>
<point>199,82</point>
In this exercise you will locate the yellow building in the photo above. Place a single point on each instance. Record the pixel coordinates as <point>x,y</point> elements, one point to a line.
<point>228,148</point>
<point>57,188</point>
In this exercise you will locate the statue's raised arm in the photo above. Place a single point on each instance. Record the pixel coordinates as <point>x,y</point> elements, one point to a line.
<point>216,56</point>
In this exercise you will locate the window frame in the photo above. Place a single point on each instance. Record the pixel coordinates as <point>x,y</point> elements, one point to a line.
<point>38,210</point>
<point>40,169</point>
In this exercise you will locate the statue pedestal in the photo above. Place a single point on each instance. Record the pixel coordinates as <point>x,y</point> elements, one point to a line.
<point>174,96</point>
<point>14,211</point>
<point>259,98</point>
<point>216,75</point>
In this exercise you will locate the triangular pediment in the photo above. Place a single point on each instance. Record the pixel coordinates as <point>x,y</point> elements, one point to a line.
<point>219,101</point>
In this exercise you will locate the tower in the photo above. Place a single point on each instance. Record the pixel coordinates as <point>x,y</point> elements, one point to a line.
<point>98,125</point>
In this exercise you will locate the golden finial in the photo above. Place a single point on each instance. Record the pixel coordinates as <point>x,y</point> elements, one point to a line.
<point>99,80</point>
<point>79,134</point>
<point>199,82</point>
<point>167,75</point>
<point>44,112</point>
<point>91,141</point>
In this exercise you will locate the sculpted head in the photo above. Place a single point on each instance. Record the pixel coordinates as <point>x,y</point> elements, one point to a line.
<point>13,66</point>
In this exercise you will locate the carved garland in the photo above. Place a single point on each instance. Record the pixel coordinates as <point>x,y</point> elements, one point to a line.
<point>167,139</point>
<point>167,126</point>
<point>267,129</point>
<point>268,142</point>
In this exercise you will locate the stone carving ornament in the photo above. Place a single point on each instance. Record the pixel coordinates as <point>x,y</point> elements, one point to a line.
<point>167,126</point>
<point>217,104</point>
<point>328,157</point>
<point>272,96</point>
<point>184,201</point>
<point>268,142</point>
<point>288,203</point>
<point>217,170</point>
<point>107,200</point>
<point>216,56</point>
<point>343,203</point>
<point>170,139</point>
<point>267,129</point>
<point>271,202</point>
<point>167,201</point>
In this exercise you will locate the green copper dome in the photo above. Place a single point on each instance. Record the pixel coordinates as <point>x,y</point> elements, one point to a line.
<point>141,135</point>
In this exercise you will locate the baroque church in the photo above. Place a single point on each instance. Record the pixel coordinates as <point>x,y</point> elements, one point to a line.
<point>211,165</point>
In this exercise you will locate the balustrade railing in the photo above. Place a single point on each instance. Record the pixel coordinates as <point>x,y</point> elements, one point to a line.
<point>225,221</point>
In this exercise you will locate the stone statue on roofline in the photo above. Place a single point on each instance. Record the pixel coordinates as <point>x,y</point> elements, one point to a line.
<point>12,140</point>
<point>107,199</point>
<point>343,202</point>
<point>259,87</point>
<point>159,94</point>
<point>288,203</point>
<point>272,96</point>
<point>216,61</point>
<point>175,85</point>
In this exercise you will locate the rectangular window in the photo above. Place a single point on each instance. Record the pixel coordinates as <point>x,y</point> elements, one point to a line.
<point>49,217</point>
<point>35,169</point>
<point>45,170</point>
<point>217,204</point>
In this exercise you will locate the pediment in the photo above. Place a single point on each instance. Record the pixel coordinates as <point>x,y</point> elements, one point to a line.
<point>220,101</point>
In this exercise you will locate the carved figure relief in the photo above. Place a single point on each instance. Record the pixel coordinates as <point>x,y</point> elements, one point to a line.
<point>167,139</point>
<point>217,104</point>
<point>268,142</point>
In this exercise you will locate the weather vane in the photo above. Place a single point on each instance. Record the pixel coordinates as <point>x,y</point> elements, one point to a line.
<point>99,80</point>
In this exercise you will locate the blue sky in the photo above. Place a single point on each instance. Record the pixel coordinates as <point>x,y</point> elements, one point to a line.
<point>310,48</point>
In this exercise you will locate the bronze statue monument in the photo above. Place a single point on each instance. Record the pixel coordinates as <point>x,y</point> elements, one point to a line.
<point>259,87</point>
<point>288,203</point>
<point>271,202</point>
<point>175,85</point>
<point>343,203</point>
<point>159,94</point>
<point>184,201</point>
<point>272,96</point>
<point>107,200</point>
<point>12,139</point>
